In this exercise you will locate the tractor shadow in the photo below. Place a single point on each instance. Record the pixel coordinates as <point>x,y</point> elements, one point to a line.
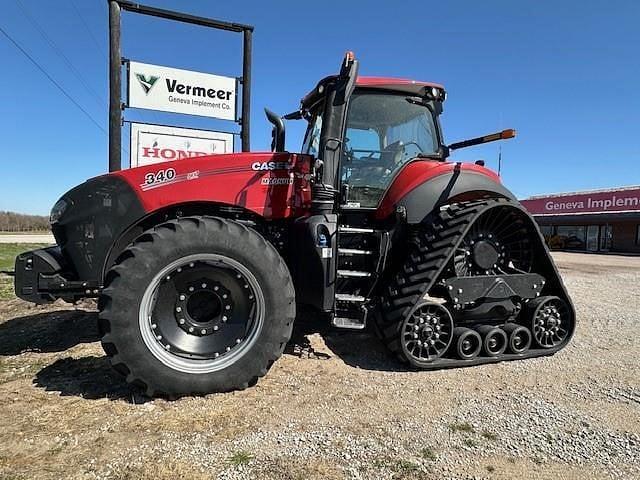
<point>89,377</point>
<point>359,349</point>
<point>48,332</point>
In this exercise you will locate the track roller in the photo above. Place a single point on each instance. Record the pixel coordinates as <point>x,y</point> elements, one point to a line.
<point>519,338</point>
<point>494,340</point>
<point>467,343</point>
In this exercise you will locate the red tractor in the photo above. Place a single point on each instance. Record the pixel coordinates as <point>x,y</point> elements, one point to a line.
<point>199,264</point>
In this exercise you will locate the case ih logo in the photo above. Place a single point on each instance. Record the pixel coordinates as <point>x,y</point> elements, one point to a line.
<point>627,200</point>
<point>146,83</point>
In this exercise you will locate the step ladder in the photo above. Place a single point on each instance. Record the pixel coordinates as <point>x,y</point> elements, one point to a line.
<point>358,263</point>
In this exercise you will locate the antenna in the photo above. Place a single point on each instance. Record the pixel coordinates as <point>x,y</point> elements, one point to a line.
<point>499,159</point>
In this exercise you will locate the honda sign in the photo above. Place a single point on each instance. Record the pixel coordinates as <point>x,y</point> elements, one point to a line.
<point>156,143</point>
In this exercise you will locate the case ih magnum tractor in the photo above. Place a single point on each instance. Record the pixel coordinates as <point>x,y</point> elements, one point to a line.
<point>199,263</point>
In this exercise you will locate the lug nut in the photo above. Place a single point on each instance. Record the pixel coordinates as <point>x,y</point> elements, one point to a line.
<point>191,329</point>
<point>191,289</point>
<point>204,285</point>
<point>192,264</point>
<point>153,326</point>
<point>179,269</point>
<point>181,321</point>
<point>227,307</point>
<point>203,331</point>
<point>182,297</point>
<point>224,318</point>
<point>238,341</point>
<point>215,327</point>
<point>225,295</point>
<point>228,348</point>
<point>178,309</point>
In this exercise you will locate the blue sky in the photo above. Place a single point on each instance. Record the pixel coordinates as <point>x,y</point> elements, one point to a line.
<point>566,75</point>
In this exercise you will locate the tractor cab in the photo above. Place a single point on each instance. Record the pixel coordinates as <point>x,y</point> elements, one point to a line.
<point>364,130</point>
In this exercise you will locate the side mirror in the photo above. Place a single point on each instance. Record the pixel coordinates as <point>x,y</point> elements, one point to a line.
<point>277,133</point>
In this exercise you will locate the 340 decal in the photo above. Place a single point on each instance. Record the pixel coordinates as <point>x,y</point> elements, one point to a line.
<point>161,176</point>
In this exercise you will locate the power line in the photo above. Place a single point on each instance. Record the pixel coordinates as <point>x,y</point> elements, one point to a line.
<point>86,26</point>
<point>101,101</point>
<point>64,92</point>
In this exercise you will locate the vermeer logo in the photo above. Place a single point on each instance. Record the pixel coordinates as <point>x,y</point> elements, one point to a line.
<point>146,83</point>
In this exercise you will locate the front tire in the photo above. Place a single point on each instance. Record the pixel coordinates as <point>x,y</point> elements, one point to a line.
<point>196,305</point>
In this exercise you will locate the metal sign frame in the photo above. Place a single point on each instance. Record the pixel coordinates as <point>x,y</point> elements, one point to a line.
<point>115,69</point>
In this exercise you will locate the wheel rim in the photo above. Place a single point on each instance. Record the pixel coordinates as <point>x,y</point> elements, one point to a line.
<point>551,322</point>
<point>427,332</point>
<point>201,313</point>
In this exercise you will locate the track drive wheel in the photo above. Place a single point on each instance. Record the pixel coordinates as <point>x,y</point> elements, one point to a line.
<point>196,305</point>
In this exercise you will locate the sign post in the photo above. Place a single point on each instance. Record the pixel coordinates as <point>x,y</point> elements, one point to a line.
<point>174,90</point>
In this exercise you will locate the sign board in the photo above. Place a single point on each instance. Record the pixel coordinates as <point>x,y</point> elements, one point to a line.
<point>156,143</point>
<point>610,201</point>
<point>181,91</point>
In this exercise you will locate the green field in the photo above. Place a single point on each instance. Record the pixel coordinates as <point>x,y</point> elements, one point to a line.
<point>8,253</point>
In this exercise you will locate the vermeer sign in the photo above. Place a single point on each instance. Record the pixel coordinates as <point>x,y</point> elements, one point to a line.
<point>181,91</point>
<point>622,200</point>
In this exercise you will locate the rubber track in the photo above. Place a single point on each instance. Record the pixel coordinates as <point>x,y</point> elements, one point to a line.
<point>433,246</point>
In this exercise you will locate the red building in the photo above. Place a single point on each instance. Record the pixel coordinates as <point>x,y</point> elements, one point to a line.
<point>594,221</point>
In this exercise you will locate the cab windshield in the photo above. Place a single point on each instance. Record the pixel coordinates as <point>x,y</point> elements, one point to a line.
<point>384,132</point>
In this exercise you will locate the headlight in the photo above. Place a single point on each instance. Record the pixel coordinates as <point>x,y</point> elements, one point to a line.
<point>57,210</point>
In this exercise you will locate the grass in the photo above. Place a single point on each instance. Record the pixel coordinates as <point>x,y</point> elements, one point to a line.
<point>428,453</point>
<point>489,435</point>
<point>464,427</point>
<point>491,468</point>
<point>8,253</point>
<point>241,457</point>
<point>470,442</point>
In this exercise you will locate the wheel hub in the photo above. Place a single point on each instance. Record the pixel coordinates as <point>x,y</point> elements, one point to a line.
<point>203,307</point>
<point>485,254</point>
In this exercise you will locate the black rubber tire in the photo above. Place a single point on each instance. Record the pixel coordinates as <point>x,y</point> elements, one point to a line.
<point>460,334</point>
<point>127,280</point>
<point>513,331</point>
<point>488,332</point>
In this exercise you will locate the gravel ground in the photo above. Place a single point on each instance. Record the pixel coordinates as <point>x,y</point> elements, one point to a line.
<point>335,405</point>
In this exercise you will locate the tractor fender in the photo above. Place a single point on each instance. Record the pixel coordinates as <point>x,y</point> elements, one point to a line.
<point>428,190</point>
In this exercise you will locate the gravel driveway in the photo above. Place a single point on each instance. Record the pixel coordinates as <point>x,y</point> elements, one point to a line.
<point>335,406</point>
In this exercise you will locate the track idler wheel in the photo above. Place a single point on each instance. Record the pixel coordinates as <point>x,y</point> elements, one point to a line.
<point>519,338</point>
<point>426,333</point>
<point>551,321</point>
<point>467,343</point>
<point>494,340</point>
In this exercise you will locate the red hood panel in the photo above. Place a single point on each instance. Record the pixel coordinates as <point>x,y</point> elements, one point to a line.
<point>273,185</point>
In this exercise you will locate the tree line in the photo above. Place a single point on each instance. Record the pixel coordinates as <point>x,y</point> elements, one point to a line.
<point>19,222</point>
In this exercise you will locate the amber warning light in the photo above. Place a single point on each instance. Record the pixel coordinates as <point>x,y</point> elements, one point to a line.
<point>503,135</point>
